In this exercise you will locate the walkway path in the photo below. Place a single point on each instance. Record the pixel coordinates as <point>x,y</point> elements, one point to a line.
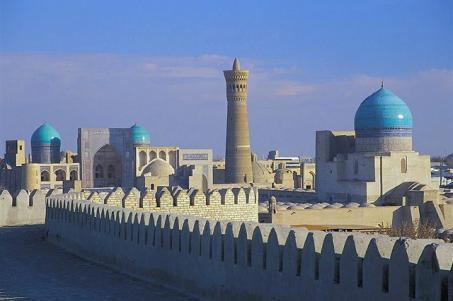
<point>33,269</point>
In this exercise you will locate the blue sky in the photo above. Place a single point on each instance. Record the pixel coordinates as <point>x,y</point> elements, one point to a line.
<point>158,63</point>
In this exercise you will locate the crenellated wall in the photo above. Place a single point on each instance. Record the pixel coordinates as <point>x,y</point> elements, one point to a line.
<point>239,204</point>
<point>23,207</point>
<point>250,261</point>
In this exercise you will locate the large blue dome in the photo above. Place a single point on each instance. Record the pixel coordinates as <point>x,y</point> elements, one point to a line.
<point>46,135</point>
<point>140,135</point>
<point>383,114</point>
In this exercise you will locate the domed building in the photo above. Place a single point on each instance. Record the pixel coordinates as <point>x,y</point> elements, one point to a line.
<point>47,168</point>
<point>45,144</point>
<point>125,157</point>
<point>374,163</point>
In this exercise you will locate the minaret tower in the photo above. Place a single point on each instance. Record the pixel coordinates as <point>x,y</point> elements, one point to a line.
<point>238,160</point>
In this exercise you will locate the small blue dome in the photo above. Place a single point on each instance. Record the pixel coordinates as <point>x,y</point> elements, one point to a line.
<point>383,114</point>
<point>46,135</point>
<point>140,135</point>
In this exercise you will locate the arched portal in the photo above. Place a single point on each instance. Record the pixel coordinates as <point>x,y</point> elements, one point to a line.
<point>107,167</point>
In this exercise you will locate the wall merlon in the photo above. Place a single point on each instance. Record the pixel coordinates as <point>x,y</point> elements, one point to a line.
<point>22,208</point>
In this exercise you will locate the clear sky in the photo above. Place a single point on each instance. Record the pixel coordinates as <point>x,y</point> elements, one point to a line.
<point>159,64</point>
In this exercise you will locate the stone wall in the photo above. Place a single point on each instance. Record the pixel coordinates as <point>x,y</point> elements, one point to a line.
<point>286,195</point>
<point>251,261</point>
<point>234,204</point>
<point>354,216</point>
<point>23,207</point>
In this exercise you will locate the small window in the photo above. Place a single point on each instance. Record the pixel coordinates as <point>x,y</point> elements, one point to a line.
<point>163,155</point>
<point>45,176</point>
<point>142,159</point>
<point>60,175</point>
<point>99,172</point>
<point>356,167</point>
<point>73,175</point>
<point>404,165</point>
<point>111,172</point>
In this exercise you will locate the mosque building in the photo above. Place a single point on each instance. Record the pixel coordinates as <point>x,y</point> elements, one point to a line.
<point>125,157</point>
<point>375,163</point>
<point>107,157</point>
<point>47,168</point>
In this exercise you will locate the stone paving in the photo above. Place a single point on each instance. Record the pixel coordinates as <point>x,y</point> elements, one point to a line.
<point>33,269</point>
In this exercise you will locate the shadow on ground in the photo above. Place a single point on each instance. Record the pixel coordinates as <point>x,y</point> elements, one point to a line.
<point>33,269</point>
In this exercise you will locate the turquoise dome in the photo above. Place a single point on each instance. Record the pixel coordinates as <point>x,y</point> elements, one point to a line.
<point>383,114</point>
<point>140,135</point>
<point>46,135</point>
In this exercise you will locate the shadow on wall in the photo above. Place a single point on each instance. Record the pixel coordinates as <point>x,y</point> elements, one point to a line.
<point>427,213</point>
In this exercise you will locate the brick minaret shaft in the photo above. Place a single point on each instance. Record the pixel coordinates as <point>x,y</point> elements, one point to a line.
<point>238,163</point>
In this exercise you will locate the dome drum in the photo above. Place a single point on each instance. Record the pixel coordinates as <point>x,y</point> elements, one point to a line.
<point>384,132</point>
<point>383,144</point>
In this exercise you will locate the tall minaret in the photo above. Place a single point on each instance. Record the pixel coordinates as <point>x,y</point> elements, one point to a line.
<point>238,160</point>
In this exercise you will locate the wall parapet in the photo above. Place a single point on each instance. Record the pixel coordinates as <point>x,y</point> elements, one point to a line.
<point>225,260</point>
<point>222,204</point>
<point>296,195</point>
<point>22,207</point>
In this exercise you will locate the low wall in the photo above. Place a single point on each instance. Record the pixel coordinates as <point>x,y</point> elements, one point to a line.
<point>287,195</point>
<point>234,204</point>
<point>251,261</point>
<point>22,208</point>
<point>351,216</point>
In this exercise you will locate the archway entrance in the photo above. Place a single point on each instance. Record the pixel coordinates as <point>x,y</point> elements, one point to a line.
<point>107,167</point>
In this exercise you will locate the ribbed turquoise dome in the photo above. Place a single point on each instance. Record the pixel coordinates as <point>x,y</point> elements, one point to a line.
<point>140,135</point>
<point>383,114</point>
<point>46,135</point>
